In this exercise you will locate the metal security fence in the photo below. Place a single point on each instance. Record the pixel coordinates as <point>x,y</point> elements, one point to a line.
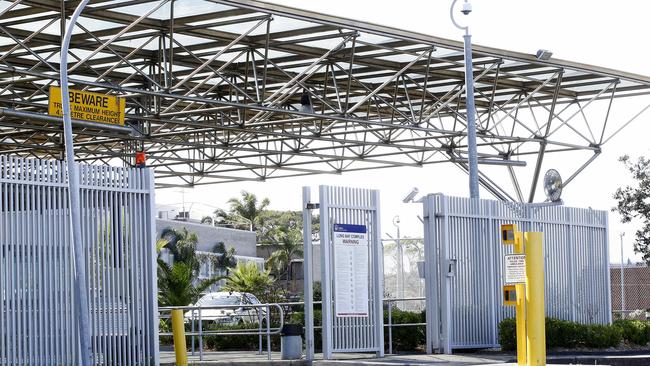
<point>464,267</point>
<point>37,311</point>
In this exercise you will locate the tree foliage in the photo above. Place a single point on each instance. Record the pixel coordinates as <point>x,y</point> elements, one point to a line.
<point>287,243</point>
<point>247,277</point>
<point>633,202</point>
<point>272,220</point>
<point>177,283</point>
<point>248,207</point>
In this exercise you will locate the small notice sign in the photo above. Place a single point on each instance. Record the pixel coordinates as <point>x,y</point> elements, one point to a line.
<point>351,280</point>
<point>515,269</point>
<point>89,106</point>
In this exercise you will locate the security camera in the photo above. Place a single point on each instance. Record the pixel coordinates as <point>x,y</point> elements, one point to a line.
<point>467,8</point>
<point>409,197</point>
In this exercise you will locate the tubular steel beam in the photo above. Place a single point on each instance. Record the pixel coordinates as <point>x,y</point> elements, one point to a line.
<point>214,94</point>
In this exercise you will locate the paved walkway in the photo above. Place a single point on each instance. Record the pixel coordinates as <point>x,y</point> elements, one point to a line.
<point>241,358</point>
<point>236,358</point>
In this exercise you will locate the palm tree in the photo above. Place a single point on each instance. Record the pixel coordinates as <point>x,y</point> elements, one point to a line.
<point>226,257</point>
<point>288,244</point>
<point>177,283</point>
<point>182,245</point>
<point>247,277</point>
<point>248,207</point>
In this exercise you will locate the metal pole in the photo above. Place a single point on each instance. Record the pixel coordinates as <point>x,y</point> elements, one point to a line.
<point>471,125</point>
<point>268,331</point>
<point>469,101</point>
<point>622,280</point>
<point>178,330</point>
<point>535,329</point>
<point>307,271</point>
<point>400,260</point>
<point>390,327</point>
<point>520,310</point>
<point>85,351</point>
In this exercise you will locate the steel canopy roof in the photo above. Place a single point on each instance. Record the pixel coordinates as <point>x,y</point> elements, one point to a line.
<point>213,92</point>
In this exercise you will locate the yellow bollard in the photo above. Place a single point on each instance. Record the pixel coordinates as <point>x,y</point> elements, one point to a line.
<point>178,328</point>
<point>535,313</point>
<point>521,307</point>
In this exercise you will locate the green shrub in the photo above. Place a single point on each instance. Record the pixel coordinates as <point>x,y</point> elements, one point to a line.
<point>601,336</point>
<point>404,338</point>
<point>407,338</point>
<point>508,334</point>
<point>236,342</point>
<point>565,334</point>
<point>634,331</point>
<point>562,333</point>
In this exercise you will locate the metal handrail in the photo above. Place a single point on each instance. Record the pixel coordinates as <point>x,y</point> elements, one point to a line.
<point>390,324</point>
<point>268,331</point>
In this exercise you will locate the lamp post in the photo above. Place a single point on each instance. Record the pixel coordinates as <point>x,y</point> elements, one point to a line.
<point>85,352</point>
<point>469,101</point>
<point>622,234</point>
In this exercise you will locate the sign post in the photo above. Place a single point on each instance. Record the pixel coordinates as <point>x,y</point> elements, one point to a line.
<point>514,289</point>
<point>524,288</point>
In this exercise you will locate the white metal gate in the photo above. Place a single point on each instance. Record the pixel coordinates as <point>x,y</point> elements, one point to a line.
<point>354,209</point>
<point>37,308</point>
<point>464,259</point>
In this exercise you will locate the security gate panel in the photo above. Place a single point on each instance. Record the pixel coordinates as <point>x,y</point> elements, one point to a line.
<point>351,270</point>
<point>37,306</point>
<point>465,257</point>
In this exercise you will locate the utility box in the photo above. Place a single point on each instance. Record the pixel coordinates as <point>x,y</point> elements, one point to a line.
<point>509,295</point>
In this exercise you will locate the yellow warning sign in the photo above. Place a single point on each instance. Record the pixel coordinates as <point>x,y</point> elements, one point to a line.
<point>89,106</point>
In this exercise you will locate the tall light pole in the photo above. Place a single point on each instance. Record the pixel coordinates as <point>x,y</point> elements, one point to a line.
<point>85,352</point>
<point>400,259</point>
<point>469,101</point>
<point>622,234</point>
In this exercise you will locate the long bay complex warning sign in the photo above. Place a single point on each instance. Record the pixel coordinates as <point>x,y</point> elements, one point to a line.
<point>89,106</point>
<point>351,270</point>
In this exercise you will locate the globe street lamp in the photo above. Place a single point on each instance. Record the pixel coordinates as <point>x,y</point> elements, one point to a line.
<point>469,101</point>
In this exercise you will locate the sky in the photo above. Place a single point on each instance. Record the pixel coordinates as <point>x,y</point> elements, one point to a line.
<point>601,33</point>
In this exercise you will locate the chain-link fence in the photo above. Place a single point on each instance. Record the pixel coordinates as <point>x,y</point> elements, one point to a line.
<point>635,291</point>
<point>402,279</point>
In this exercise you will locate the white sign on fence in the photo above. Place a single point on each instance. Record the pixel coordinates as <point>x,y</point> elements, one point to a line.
<point>515,269</point>
<point>351,270</point>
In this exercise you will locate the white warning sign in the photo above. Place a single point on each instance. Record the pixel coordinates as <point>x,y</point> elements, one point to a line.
<point>515,269</point>
<point>351,282</point>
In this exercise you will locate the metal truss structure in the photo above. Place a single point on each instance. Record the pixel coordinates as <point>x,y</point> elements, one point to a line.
<point>221,91</point>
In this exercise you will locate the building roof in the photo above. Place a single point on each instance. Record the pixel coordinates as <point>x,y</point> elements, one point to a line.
<point>223,102</point>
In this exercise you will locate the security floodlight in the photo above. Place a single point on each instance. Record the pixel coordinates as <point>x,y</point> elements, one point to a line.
<point>543,55</point>
<point>552,185</point>
<point>409,197</point>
